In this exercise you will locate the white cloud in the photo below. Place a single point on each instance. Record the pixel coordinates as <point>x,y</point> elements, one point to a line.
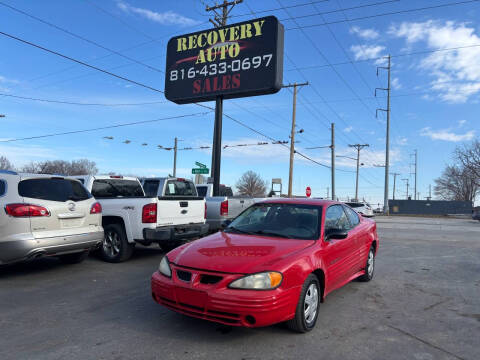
<point>456,73</point>
<point>348,129</point>
<point>461,123</point>
<point>396,84</point>
<point>447,135</point>
<point>367,34</point>
<point>5,80</point>
<point>164,18</point>
<point>401,141</point>
<point>363,52</point>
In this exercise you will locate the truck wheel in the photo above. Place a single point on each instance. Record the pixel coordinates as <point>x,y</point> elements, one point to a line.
<point>115,246</point>
<point>73,258</point>
<point>307,307</point>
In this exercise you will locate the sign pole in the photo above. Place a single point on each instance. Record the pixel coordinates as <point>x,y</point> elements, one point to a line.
<point>219,21</point>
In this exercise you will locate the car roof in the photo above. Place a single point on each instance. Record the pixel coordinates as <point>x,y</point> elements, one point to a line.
<point>300,201</point>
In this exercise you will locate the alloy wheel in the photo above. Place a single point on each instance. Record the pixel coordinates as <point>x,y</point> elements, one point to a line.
<point>111,244</point>
<point>311,304</point>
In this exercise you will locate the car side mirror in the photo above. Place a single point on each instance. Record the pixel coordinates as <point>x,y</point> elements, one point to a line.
<point>226,223</point>
<point>335,234</point>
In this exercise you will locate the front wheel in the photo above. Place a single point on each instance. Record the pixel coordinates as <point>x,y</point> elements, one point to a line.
<point>115,247</point>
<point>308,306</point>
<point>369,266</point>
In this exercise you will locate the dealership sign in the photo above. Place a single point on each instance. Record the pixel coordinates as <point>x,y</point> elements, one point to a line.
<point>242,59</point>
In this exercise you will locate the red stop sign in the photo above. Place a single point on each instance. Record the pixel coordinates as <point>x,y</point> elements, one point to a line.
<point>308,191</point>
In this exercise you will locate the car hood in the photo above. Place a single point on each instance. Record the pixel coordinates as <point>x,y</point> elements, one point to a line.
<point>236,253</point>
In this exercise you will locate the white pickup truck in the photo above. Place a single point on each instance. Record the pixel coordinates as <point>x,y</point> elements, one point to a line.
<point>130,217</point>
<point>221,209</point>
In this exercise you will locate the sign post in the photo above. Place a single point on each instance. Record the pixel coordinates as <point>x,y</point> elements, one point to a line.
<point>238,60</point>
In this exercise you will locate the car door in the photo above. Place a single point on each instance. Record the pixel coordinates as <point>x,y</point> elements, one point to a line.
<point>340,255</point>
<point>358,234</point>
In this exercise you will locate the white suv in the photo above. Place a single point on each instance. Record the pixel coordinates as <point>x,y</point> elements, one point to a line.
<point>46,215</point>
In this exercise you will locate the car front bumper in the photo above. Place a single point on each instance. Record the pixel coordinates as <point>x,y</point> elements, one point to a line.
<point>167,234</point>
<point>25,249</point>
<point>218,303</point>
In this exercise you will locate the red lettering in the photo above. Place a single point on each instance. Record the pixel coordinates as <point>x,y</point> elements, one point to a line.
<point>235,81</point>
<point>206,86</point>
<point>197,86</point>
<point>215,84</point>
<point>226,81</point>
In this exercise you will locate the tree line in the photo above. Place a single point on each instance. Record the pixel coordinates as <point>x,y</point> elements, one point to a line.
<point>63,167</point>
<point>461,180</point>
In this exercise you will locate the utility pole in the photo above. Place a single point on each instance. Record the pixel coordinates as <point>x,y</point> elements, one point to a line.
<point>328,192</point>
<point>416,158</point>
<point>394,181</point>
<point>387,140</point>
<point>358,147</point>
<point>175,148</point>
<point>292,136</point>
<point>219,20</point>
<point>332,147</point>
<point>407,180</point>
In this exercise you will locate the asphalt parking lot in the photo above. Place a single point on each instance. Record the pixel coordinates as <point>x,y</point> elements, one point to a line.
<point>423,303</point>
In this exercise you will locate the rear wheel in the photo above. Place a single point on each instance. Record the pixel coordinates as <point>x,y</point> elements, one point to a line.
<point>115,246</point>
<point>308,306</point>
<point>73,258</point>
<point>369,266</point>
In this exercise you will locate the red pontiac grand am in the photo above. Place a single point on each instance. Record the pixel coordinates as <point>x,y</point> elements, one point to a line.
<point>277,261</point>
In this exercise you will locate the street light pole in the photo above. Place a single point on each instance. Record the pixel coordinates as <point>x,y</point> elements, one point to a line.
<point>358,147</point>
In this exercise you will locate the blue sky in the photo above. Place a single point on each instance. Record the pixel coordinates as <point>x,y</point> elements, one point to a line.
<point>434,94</point>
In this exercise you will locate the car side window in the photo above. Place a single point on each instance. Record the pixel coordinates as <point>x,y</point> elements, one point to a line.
<point>335,218</point>
<point>352,217</point>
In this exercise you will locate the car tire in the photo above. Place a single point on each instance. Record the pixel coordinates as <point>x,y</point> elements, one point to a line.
<point>115,247</point>
<point>308,306</point>
<point>75,258</point>
<point>369,266</point>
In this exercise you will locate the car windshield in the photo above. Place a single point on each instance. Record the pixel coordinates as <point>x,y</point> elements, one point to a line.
<point>294,221</point>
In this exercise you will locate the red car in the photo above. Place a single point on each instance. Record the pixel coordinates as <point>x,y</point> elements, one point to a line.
<point>277,261</point>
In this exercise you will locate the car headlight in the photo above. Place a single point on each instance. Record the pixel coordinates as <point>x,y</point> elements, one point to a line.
<point>164,267</point>
<point>261,281</point>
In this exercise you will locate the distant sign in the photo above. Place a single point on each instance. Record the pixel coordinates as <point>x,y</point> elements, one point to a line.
<point>242,59</point>
<point>308,191</point>
<point>276,181</point>
<point>200,165</point>
<point>200,171</point>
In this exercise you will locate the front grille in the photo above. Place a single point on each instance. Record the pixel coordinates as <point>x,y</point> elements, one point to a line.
<point>184,275</point>
<point>210,279</point>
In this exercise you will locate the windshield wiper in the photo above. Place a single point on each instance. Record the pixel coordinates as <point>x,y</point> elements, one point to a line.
<point>270,233</point>
<point>232,228</point>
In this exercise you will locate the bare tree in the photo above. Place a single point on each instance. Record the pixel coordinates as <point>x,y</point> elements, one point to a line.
<point>251,184</point>
<point>469,157</point>
<point>456,183</point>
<point>5,164</point>
<point>75,167</point>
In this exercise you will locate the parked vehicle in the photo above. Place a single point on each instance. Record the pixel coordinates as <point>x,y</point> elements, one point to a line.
<point>362,208</point>
<point>476,213</point>
<point>46,215</point>
<point>275,262</point>
<point>222,208</point>
<point>129,217</point>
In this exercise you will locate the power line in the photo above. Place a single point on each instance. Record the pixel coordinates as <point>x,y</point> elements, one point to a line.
<point>81,37</point>
<point>385,14</point>
<point>313,3</point>
<point>79,103</point>
<point>80,62</point>
<point>105,127</point>
<point>382,57</point>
